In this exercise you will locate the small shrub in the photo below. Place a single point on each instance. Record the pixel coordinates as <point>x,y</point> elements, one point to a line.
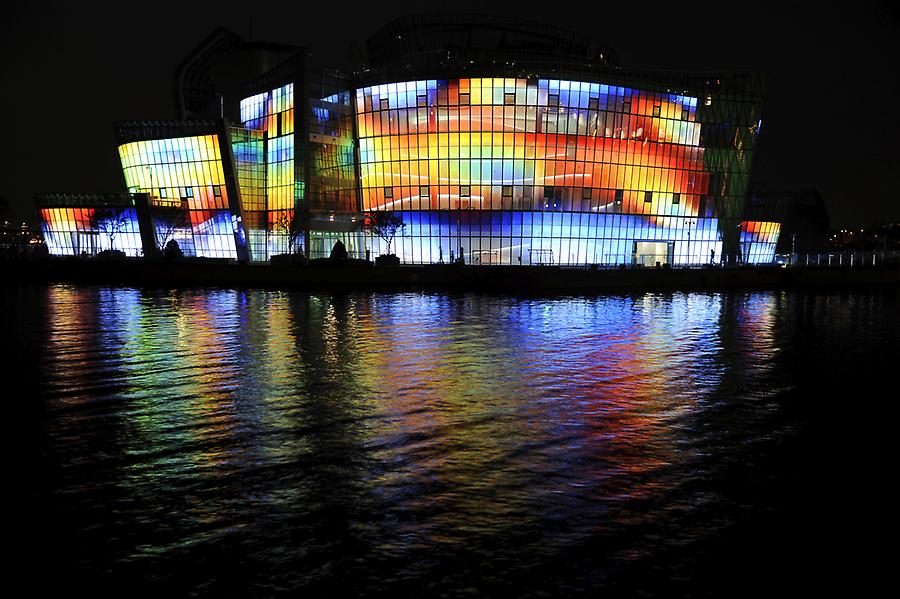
<point>387,260</point>
<point>172,250</point>
<point>339,251</point>
<point>288,259</point>
<point>111,255</point>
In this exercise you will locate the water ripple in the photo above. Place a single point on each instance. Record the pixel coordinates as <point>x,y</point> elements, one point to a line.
<point>264,442</point>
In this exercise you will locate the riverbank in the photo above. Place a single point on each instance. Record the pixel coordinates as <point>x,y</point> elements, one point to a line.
<point>439,276</point>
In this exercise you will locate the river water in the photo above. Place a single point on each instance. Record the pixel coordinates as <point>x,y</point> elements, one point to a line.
<point>266,443</point>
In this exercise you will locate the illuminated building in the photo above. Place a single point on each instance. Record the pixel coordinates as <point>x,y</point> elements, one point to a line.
<point>500,142</point>
<point>87,224</point>
<point>190,171</point>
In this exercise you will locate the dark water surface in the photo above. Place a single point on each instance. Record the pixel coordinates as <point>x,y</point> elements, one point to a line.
<point>258,443</point>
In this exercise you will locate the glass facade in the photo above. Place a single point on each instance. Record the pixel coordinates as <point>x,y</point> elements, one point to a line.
<point>88,226</point>
<point>185,173</point>
<point>248,147</point>
<point>312,190</point>
<point>758,240</point>
<point>603,166</point>
<point>272,114</point>
<point>332,189</point>
<point>333,179</point>
<point>546,171</point>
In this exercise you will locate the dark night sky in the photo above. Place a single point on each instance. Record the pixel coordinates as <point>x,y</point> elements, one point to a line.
<point>830,121</point>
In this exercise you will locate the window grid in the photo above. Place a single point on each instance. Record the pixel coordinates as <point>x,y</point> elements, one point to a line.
<point>530,146</point>
<point>173,165</point>
<point>73,231</point>
<point>272,113</point>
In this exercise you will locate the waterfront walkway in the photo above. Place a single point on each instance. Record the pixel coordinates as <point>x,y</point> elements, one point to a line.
<point>140,272</point>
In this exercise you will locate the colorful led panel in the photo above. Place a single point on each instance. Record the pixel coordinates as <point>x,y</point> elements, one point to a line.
<point>185,173</point>
<point>332,184</point>
<point>758,241</point>
<point>87,231</point>
<point>601,168</point>
<point>273,114</point>
<point>248,148</point>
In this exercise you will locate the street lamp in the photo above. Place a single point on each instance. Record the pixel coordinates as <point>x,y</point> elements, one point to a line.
<point>689,223</point>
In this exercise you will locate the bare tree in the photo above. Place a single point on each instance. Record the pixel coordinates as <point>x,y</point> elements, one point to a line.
<point>386,224</point>
<point>111,220</point>
<point>168,220</point>
<point>287,223</point>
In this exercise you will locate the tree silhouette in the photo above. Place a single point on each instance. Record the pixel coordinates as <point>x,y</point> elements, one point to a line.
<point>172,250</point>
<point>169,219</point>
<point>386,224</point>
<point>287,223</point>
<point>111,220</point>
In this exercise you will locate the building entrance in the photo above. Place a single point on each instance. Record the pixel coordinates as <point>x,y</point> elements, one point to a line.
<point>648,253</point>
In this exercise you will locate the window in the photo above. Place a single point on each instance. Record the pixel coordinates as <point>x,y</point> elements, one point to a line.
<point>509,99</point>
<point>422,100</point>
<point>463,99</point>
<point>548,192</point>
<point>388,193</point>
<point>656,110</point>
<point>507,191</point>
<point>626,106</point>
<point>217,191</point>
<point>685,114</point>
<point>188,192</point>
<point>423,191</point>
<point>162,192</point>
<point>384,104</point>
<point>593,103</point>
<point>553,100</point>
<point>620,194</point>
<point>586,193</point>
<point>464,191</point>
<point>676,198</point>
<point>648,196</point>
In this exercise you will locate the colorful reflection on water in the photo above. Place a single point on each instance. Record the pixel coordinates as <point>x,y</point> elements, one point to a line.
<point>261,441</point>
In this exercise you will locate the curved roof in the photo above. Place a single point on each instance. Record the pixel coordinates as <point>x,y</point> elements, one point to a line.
<point>194,86</point>
<point>462,36</point>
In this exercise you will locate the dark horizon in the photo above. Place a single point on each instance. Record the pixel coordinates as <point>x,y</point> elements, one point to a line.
<point>79,76</point>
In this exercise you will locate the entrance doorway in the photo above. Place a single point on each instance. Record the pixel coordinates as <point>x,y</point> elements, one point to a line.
<point>648,253</point>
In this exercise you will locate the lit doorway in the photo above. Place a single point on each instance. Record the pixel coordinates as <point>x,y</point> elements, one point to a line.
<point>651,253</point>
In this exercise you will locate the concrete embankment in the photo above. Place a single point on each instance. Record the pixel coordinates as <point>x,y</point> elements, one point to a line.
<point>504,278</point>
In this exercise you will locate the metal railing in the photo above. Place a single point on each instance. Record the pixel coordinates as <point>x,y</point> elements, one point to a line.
<point>848,259</point>
<point>844,259</point>
<point>327,254</point>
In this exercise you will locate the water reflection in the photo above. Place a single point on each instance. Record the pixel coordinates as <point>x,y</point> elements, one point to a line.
<point>390,442</point>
